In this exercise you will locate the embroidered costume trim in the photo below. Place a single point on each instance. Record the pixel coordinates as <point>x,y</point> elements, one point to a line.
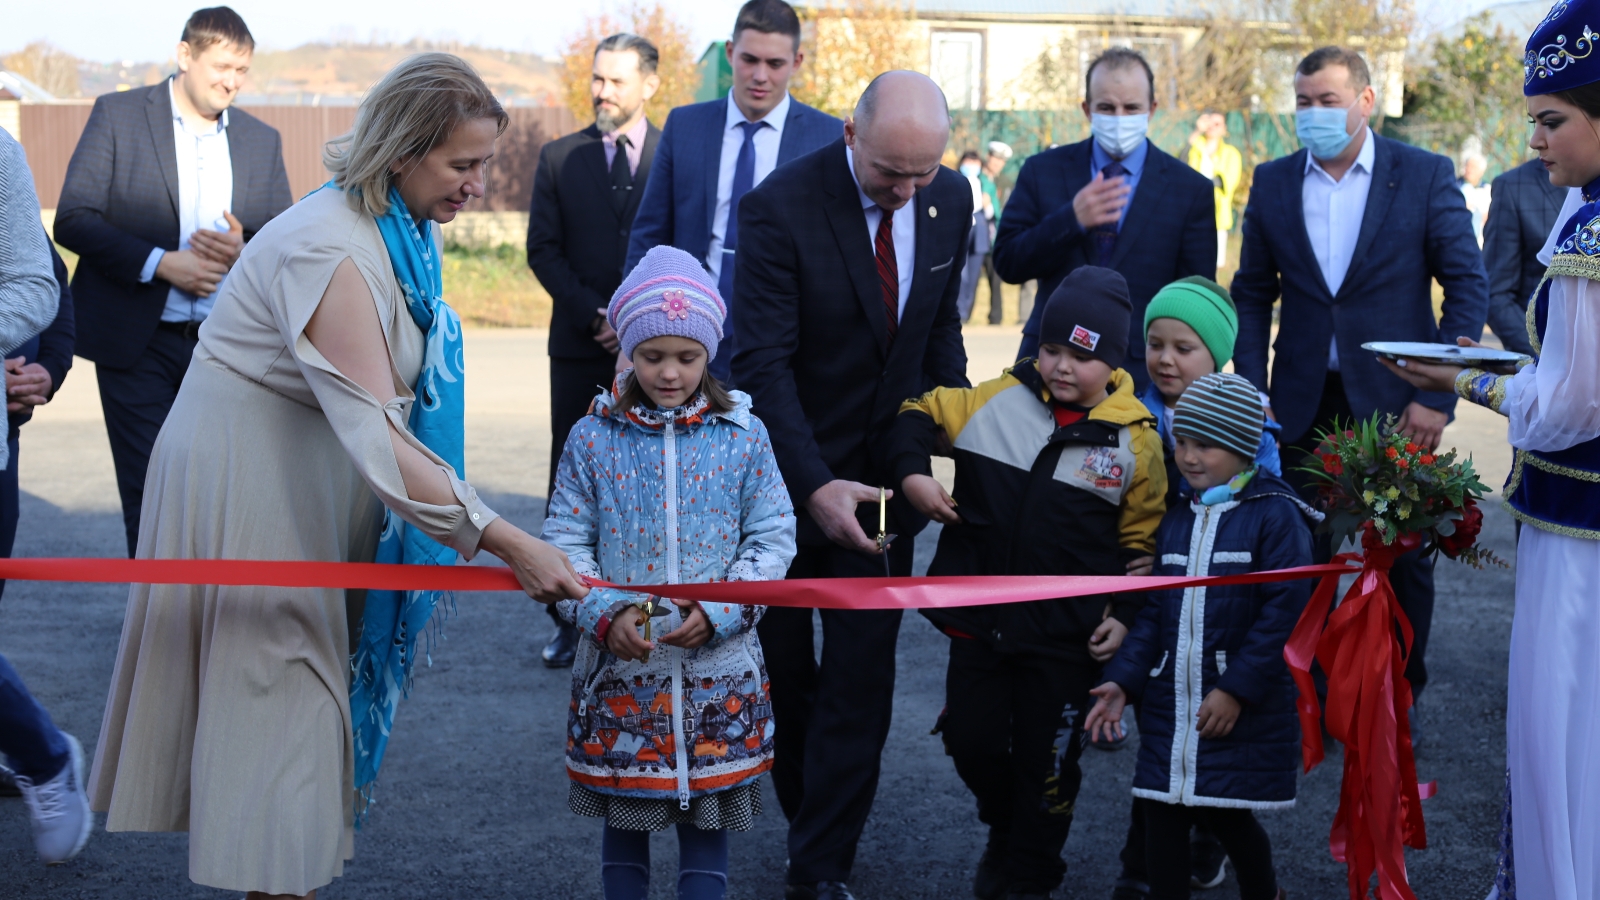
<point>1522,458</point>
<point>1482,388</point>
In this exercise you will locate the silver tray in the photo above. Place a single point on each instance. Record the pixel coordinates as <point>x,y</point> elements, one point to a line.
<point>1443,353</point>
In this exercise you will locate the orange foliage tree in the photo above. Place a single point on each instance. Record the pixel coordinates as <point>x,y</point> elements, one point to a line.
<point>680,76</point>
<point>850,42</point>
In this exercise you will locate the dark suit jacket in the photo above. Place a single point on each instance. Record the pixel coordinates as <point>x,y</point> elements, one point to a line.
<point>1170,232</point>
<point>1416,228</point>
<point>1522,211</point>
<point>814,350</point>
<point>577,242</point>
<point>120,201</point>
<point>680,202</point>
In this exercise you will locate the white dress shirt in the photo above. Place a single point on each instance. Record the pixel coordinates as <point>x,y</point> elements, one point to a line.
<point>767,141</point>
<point>903,228</point>
<point>1333,211</point>
<point>205,192</point>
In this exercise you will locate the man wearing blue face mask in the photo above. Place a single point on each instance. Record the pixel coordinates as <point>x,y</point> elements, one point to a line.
<point>1115,200</point>
<point>1351,232</point>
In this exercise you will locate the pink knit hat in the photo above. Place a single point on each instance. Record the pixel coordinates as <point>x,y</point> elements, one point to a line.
<point>668,292</point>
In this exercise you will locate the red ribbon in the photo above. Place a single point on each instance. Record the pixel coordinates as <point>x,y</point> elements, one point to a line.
<point>1363,646</point>
<point>818,593</point>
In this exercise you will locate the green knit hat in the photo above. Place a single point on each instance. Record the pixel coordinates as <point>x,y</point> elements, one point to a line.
<point>1203,305</point>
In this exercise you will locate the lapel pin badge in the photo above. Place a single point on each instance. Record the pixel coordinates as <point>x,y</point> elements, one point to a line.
<point>933,212</point>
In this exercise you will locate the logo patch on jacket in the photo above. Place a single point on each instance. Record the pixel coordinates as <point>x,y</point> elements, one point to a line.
<point>1100,467</point>
<point>1083,337</point>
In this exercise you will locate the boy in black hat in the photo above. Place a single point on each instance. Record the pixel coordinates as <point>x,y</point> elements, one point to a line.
<point>1058,472</point>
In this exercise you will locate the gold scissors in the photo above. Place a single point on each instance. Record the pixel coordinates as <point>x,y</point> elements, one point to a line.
<point>884,538</point>
<point>652,607</point>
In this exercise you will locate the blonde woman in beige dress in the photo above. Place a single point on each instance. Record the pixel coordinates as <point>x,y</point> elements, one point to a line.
<point>229,711</point>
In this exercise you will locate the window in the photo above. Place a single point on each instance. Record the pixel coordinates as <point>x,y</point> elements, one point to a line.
<point>957,66</point>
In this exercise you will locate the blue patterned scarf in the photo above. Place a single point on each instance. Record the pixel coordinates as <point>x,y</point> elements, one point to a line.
<point>394,619</point>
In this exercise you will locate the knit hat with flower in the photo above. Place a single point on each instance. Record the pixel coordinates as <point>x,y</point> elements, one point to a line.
<point>668,292</point>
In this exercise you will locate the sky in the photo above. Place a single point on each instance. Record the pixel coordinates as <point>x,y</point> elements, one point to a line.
<point>147,30</point>
<point>111,30</point>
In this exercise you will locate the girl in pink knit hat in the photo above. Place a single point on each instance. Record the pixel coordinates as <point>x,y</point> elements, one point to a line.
<point>669,479</point>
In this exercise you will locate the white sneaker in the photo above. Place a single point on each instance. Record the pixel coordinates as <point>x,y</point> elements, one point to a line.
<point>60,810</point>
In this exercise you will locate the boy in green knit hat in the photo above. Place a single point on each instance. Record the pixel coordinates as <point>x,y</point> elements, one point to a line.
<point>1189,330</point>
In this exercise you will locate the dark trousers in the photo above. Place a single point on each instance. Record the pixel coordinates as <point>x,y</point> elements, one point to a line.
<point>1013,726</point>
<point>10,509</point>
<point>573,386</point>
<point>31,743</point>
<point>996,305</point>
<point>1167,849</point>
<point>832,716</point>
<point>1412,575</point>
<point>1132,856</point>
<point>136,401</point>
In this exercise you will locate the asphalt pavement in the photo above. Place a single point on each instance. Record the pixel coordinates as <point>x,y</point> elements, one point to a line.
<point>472,799</point>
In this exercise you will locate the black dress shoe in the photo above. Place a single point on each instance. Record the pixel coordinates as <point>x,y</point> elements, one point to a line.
<point>821,890</point>
<point>990,881</point>
<point>562,649</point>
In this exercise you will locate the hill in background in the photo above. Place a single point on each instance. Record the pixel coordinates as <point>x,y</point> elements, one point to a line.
<point>324,72</point>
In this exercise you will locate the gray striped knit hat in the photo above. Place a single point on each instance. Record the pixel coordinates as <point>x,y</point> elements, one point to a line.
<point>1222,409</point>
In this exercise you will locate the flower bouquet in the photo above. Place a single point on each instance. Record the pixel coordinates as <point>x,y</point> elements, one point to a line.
<point>1374,477</point>
<point>1398,497</point>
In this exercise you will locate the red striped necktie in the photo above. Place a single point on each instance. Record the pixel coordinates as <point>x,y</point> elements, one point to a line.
<point>888,270</point>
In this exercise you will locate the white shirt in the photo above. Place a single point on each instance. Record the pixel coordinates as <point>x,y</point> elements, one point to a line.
<point>205,192</point>
<point>766,141</point>
<point>1333,211</point>
<point>903,228</point>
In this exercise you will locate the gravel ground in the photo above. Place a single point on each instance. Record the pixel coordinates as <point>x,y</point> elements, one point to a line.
<point>472,802</point>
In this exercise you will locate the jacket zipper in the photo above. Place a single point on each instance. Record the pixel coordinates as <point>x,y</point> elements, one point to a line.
<point>1199,561</point>
<point>670,475</point>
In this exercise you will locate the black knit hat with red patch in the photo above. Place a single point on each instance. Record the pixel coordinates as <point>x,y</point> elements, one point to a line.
<point>1089,312</point>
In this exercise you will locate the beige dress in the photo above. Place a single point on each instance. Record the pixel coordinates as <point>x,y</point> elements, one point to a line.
<point>229,711</point>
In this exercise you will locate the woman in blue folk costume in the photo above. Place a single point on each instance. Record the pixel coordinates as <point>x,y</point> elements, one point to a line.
<point>1552,824</point>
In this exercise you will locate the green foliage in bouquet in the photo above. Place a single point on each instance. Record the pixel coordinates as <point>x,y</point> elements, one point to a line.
<point>1371,473</point>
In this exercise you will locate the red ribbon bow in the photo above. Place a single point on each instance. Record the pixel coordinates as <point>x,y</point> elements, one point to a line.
<point>1363,646</point>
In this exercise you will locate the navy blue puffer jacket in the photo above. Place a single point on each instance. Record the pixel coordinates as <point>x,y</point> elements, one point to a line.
<point>1187,642</point>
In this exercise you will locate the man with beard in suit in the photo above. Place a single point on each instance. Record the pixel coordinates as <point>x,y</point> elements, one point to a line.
<point>585,193</point>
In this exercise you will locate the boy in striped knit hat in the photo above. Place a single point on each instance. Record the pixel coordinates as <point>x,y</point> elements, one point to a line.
<point>1218,734</point>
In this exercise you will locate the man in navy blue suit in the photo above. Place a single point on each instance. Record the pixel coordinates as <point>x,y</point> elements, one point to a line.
<point>1115,200</point>
<point>712,153</point>
<point>1351,232</point>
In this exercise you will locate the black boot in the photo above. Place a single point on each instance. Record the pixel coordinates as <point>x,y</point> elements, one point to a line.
<point>562,649</point>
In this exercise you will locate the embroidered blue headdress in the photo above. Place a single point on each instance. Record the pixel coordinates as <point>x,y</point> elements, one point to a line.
<point>1559,55</point>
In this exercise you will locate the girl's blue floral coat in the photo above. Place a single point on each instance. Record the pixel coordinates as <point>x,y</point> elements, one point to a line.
<point>649,496</point>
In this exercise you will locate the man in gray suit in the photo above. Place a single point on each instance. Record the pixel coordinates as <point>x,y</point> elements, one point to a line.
<point>164,188</point>
<point>1523,207</point>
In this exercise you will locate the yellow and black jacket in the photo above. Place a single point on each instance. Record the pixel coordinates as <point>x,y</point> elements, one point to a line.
<point>1037,499</point>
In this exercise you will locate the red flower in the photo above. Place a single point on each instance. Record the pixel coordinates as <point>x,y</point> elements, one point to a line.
<point>1427,459</point>
<point>1412,448</point>
<point>1349,434</point>
<point>1402,463</point>
<point>1466,533</point>
<point>1332,464</point>
<point>1392,452</point>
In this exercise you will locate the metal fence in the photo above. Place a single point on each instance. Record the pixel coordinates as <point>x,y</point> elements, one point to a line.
<point>50,132</point>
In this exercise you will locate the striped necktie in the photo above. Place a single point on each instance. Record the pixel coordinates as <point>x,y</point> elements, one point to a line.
<point>888,270</point>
